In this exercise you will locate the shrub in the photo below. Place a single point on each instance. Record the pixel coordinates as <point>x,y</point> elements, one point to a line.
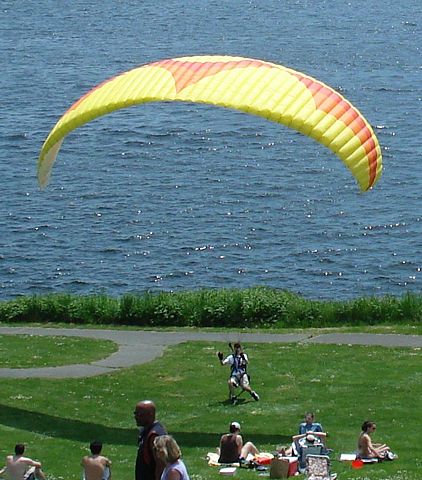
<point>254,307</point>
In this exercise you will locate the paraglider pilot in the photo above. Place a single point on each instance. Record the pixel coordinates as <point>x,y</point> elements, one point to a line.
<point>238,361</point>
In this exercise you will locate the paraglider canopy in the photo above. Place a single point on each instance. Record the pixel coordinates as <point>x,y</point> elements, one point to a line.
<point>272,91</point>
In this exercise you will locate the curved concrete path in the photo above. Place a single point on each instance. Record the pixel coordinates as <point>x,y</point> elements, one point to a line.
<point>136,347</point>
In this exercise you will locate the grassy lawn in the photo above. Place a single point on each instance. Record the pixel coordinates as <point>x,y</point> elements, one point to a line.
<point>27,351</point>
<point>344,385</point>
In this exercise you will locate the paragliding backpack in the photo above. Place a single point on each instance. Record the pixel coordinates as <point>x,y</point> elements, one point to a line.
<point>239,367</point>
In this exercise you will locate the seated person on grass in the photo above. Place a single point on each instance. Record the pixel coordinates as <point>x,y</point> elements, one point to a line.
<point>232,449</point>
<point>96,467</point>
<point>19,467</point>
<point>367,449</point>
<point>298,441</point>
<point>309,425</point>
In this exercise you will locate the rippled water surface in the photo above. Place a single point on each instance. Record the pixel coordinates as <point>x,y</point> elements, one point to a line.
<point>180,196</point>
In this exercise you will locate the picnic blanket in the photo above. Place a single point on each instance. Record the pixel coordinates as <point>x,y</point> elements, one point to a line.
<point>213,457</point>
<point>350,457</point>
<point>263,458</point>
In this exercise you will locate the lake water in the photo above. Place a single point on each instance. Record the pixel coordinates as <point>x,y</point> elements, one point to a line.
<point>180,196</point>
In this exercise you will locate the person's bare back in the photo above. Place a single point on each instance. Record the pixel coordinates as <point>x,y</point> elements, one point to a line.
<point>19,467</point>
<point>96,467</point>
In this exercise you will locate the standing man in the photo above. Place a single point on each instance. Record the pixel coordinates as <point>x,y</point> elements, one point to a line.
<point>96,467</point>
<point>148,467</point>
<point>238,361</point>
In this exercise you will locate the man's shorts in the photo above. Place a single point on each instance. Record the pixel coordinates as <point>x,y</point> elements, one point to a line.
<point>242,381</point>
<point>30,474</point>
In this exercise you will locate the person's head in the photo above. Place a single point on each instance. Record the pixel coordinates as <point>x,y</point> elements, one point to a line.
<point>19,448</point>
<point>167,449</point>
<point>144,413</point>
<point>95,447</point>
<point>309,417</point>
<point>234,427</point>
<point>368,426</point>
<point>237,348</point>
<point>310,439</point>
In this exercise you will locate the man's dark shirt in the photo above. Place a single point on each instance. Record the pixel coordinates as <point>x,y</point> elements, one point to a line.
<point>145,461</point>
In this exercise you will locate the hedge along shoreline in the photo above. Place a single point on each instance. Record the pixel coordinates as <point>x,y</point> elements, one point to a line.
<point>258,307</point>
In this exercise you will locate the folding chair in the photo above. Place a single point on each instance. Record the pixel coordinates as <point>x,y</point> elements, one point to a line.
<point>305,450</point>
<point>318,468</point>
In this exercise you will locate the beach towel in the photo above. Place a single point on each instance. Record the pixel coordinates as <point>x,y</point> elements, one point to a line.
<point>213,457</point>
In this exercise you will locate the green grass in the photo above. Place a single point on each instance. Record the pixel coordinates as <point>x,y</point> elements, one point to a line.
<point>27,351</point>
<point>344,385</point>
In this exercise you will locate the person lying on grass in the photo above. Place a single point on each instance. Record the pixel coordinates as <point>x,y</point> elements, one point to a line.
<point>367,449</point>
<point>232,449</point>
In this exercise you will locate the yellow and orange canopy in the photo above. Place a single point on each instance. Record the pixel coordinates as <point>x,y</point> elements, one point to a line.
<point>257,87</point>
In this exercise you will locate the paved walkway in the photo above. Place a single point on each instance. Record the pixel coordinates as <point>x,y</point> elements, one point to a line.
<point>137,347</point>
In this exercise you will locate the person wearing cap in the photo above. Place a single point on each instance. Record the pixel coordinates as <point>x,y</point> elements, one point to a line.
<point>232,449</point>
<point>238,361</point>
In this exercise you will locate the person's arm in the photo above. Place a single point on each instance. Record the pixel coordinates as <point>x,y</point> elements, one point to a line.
<point>174,475</point>
<point>107,465</point>
<point>221,444</point>
<point>30,462</point>
<point>378,448</point>
<point>367,445</point>
<point>295,438</point>
<point>8,461</point>
<point>228,360</point>
<point>321,435</point>
<point>239,443</point>
<point>319,428</point>
<point>225,361</point>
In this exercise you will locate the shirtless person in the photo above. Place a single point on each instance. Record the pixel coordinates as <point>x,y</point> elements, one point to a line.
<point>19,467</point>
<point>96,467</point>
<point>367,449</point>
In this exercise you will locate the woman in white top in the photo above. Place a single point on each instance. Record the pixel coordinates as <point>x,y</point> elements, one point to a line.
<point>167,450</point>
